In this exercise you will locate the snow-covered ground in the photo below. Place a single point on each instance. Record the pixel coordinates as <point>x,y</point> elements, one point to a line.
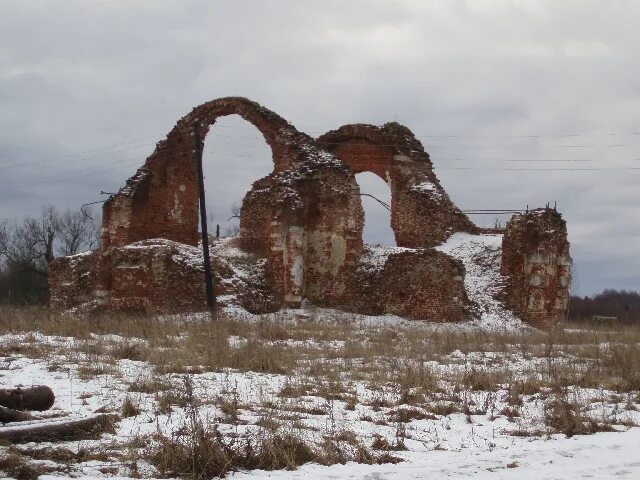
<point>603,456</point>
<point>481,255</point>
<point>344,379</point>
<point>487,398</point>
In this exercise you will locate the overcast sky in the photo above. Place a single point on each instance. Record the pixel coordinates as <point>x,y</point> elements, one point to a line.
<point>493,89</point>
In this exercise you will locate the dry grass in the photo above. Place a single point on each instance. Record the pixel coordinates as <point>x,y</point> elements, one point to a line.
<point>566,416</point>
<point>200,451</point>
<point>399,358</point>
<point>409,374</point>
<point>149,385</point>
<point>129,408</point>
<point>17,467</point>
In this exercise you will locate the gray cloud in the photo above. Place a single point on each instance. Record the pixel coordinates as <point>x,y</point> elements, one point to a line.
<point>77,75</point>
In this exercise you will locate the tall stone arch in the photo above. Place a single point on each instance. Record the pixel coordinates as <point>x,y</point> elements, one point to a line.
<point>304,222</point>
<point>422,214</point>
<point>305,217</point>
<point>161,199</point>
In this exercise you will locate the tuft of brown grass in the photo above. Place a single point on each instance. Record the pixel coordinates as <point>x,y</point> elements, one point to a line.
<point>129,351</point>
<point>567,417</point>
<point>405,415</point>
<point>381,443</point>
<point>129,408</point>
<point>17,467</point>
<point>484,380</point>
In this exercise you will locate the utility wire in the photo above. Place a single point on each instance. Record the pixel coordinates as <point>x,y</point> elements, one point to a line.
<point>373,156</point>
<point>385,205</point>
<point>94,168</point>
<point>140,161</point>
<point>82,158</point>
<point>105,149</point>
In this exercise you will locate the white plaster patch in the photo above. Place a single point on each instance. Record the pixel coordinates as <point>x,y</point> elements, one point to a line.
<point>297,271</point>
<point>176,212</point>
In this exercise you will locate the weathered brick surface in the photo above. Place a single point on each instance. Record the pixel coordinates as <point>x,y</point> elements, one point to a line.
<point>161,275</point>
<point>155,275</point>
<point>421,283</point>
<point>422,214</point>
<point>278,219</point>
<point>72,280</point>
<point>537,264</point>
<point>301,232</point>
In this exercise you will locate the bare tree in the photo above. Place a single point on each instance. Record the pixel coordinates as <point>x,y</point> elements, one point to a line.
<point>235,211</point>
<point>35,241</point>
<point>233,230</point>
<point>29,245</point>
<point>77,231</point>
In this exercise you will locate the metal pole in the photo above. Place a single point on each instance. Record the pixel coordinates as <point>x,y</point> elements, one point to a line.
<point>211,300</point>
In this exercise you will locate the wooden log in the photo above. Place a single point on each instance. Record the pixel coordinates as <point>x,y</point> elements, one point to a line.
<point>58,429</point>
<point>37,398</point>
<point>8,415</point>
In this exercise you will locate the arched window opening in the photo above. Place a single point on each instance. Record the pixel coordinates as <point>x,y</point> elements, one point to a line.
<point>377,218</point>
<point>235,155</point>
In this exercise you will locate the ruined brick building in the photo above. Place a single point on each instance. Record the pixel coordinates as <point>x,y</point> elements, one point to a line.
<point>301,235</point>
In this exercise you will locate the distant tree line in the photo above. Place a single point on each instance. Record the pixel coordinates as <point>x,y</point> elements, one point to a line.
<point>29,244</point>
<point>623,305</point>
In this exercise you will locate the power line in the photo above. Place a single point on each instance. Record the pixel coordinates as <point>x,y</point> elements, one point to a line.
<point>460,145</point>
<point>449,135</point>
<point>79,159</point>
<point>76,174</point>
<point>258,137</point>
<point>384,204</point>
<point>140,161</point>
<point>106,149</point>
<point>132,146</point>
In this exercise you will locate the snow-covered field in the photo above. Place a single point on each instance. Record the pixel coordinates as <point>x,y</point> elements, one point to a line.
<point>447,401</point>
<point>601,456</point>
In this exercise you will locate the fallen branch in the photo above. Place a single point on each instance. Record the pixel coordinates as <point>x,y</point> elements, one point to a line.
<point>37,398</point>
<point>58,429</point>
<point>8,415</point>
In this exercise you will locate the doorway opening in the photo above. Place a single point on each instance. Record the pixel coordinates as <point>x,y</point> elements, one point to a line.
<point>376,202</point>
<point>235,155</point>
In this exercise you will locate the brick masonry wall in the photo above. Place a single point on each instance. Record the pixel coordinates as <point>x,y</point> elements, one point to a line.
<point>72,280</point>
<point>304,221</point>
<point>306,251</point>
<point>422,284</point>
<point>537,264</point>
<point>422,214</point>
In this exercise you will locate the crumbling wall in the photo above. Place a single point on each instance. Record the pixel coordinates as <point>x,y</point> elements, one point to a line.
<point>537,264</point>
<point>412,283</point>
<point>422,214</point>
<point>160,275</point>
<point>301,232</point>
<point>72,280</point>
<point>156,275</point>
<point>161,201</point>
